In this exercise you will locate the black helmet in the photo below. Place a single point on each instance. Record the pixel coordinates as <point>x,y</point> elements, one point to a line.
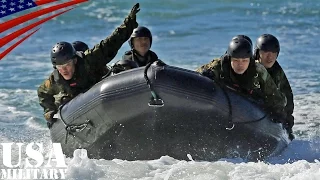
<point>61,53</point>
<point>267,42</point>
<point>80,46</point>
<point>140,31</point>
<point>244,37</point>
<point>123,65</point>
<point>239,48</point>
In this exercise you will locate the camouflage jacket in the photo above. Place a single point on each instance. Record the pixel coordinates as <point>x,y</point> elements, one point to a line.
<point>142,61</point>
<point>261,87</point>
<point>281,81</point>
<point>55,90</point>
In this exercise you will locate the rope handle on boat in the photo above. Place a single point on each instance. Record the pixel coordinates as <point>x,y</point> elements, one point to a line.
<point>230,124</point>
<point>155,101</point>
<point>73,128</point>
<point>230,128</point>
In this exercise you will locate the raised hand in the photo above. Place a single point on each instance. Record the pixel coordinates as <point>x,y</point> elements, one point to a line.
<point>135,9</point>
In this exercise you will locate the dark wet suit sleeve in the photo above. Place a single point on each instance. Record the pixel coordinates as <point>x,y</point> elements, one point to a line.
<point>107,49</point>
<point>286,89</point>
<point>275,101</point>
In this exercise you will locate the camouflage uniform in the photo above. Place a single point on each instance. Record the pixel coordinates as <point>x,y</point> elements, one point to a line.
<point>141,60</point>
<point>55,90</point>
<point>260,87</point>
<point>281,81</point>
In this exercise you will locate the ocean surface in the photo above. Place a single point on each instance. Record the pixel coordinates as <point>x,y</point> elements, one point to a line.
<point>187,34</point>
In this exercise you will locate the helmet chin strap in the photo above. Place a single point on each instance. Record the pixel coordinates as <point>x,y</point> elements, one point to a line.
<point>75,60</point>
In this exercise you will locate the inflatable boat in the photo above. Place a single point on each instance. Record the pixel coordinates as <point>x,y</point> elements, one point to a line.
<point>148,112</point>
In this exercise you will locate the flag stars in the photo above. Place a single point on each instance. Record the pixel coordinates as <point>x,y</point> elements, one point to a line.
<point>2,12</point>
<point>12,4</point>
<point>21,1</point>
<point>3,1</point>
<point>11,9</point>
<point>20,7</point>
<point>4,6</point>
<point>29,4</point>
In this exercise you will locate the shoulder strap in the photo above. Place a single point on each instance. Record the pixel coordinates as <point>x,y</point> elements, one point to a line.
<point>56,75</point>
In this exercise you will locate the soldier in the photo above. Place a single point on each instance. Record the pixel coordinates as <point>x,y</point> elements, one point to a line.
<point>238,70</point>
<point>75,72</point>
<point>140,42</point>
<point>266,51</point>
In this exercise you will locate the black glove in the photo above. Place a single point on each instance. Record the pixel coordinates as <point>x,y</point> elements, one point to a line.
<point>135,9</point>
<point>117,69</point>
<point>288,126</point>
<point>290,133</point>
<point>208,73</point>
<point>291,136</point>
<point>49,117</point>
<point>64,100</point>
<point>50,124</point>
<point>290,121</point>
<point>124,65</point>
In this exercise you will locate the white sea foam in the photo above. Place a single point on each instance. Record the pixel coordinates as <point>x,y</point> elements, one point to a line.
<point>169,168</point>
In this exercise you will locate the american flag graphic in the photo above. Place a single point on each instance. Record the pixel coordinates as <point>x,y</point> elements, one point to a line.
<point>10,7</point>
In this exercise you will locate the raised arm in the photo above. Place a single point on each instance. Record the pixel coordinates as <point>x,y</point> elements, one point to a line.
<point>107,49</point>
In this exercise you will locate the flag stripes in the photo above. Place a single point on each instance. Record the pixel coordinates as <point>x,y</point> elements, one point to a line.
<point>13,6</point>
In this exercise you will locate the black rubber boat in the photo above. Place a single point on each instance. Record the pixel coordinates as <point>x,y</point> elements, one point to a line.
<point>158,110</point>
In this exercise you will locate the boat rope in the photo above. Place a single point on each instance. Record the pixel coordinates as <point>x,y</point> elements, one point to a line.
<point>230,124</point>
<point>110,70</point>
<point>71,129</point>
<point>155,101</point>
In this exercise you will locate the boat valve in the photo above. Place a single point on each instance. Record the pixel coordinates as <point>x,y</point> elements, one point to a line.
<point>230,128</point>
